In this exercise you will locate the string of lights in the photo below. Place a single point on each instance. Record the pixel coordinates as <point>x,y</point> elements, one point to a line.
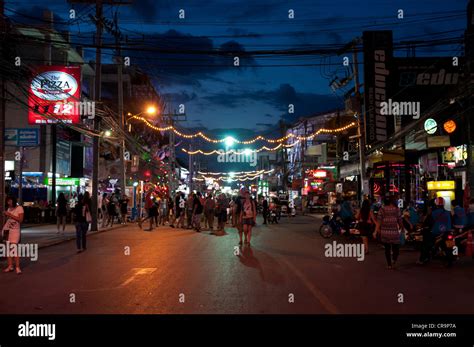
<point>236,152</point>
<point>231,140</point>
<point>233,174</point>
<point>227,179</point>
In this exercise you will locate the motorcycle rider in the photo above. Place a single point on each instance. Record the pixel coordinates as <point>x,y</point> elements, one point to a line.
<point>459,223</point>
<point>438,224</point>
<point>346,213</point>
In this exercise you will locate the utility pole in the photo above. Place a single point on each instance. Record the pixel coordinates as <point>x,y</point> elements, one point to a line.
<point>95,144</point>
<point>360,126</point>
<point>97,96</point>
<point>191,168</point>
<point>54,157</point>
<point>20,184</point>
<point>121,115</point>
<point>172,161</point>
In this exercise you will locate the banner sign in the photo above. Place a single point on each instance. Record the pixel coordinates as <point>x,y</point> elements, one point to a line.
<point>28,137</point>
<point>54,94</point>
<point>378,74</point>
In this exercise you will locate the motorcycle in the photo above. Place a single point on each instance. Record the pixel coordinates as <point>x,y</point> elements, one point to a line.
<point>334,225</point>
<point>272,217</point>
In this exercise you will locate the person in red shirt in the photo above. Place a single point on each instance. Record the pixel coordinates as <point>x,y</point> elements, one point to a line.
<point>149,204</point>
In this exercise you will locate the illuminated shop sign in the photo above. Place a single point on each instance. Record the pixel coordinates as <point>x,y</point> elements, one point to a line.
<point>456,156</point>
<point>441,185</point>
<point>431,126</point>
<point>53,94</point>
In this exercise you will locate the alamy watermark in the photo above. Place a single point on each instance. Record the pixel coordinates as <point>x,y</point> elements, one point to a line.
<point>400,108</point>
<point>247,156</point>
<point>22,250</point>
<point>345,250</point>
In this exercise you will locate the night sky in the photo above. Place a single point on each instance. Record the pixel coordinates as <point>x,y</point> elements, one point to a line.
<point>219,95</point>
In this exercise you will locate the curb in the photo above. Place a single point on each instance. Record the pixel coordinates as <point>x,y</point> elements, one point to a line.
<point>57,242</point>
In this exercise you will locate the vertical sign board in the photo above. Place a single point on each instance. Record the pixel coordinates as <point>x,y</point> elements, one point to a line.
<point>378,74</point>
<point>63,158</point>
<point>54,95</point>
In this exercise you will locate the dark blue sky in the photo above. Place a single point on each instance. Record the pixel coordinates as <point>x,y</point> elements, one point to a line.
<point>219,95</point>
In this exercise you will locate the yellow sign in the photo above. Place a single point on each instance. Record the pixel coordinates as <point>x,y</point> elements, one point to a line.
<point>441,185</point>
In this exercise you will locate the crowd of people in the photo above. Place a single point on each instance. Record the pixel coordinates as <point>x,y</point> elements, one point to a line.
<point>391,224</point>
<point>199,211</point>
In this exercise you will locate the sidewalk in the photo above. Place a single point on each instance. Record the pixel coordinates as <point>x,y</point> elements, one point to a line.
<point>47,235</point>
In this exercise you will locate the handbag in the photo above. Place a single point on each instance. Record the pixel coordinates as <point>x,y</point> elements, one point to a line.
<point>88,215</point>
<point>5,235</point>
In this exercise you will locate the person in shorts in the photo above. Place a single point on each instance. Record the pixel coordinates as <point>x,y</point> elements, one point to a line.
<point>248,216</point>
<point>14,214</point>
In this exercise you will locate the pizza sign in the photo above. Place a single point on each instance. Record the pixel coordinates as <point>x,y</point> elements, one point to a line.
<point>54,95</point>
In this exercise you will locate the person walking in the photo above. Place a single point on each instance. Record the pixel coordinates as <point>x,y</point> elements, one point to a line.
<point>209,211</point>
<point>389,223</point>
<point>163,210</point>
<point>124,200</point>
<point>79,212</point>
<point>221,211</point>
<point>104,206</point>
<point>182,207</point>
<point>61,212</point>
<point>11,232</point>
<point>366,222</point>
<point>237,213</point>
<point>198,209</point>
<point>189,210</point>
<point>265,209</point>
<point>149,207</point>
<point>248,216</point>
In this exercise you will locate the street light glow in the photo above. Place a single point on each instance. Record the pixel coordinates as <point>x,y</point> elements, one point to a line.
<point>108,133</point>
<point>151,110</point>
<point>229,141</point>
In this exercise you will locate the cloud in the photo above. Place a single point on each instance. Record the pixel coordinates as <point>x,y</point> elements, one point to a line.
<point>186,68</point>
<point>304,104</point>
<point>179,98</point>
<point>34,16</point>
<point>242,32</point>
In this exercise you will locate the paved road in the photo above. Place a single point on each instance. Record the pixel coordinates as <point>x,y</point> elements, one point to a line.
<point>181,271</point>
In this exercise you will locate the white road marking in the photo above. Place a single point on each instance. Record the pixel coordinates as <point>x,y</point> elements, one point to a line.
<point>318,294</point>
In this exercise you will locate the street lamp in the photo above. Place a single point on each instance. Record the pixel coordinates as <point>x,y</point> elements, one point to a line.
<point>150,110</point>
<point>229,141</point>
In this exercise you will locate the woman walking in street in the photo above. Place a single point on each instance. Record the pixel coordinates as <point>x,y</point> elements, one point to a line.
<point>248,216</point>
<point>389,223</point>
<point>366,223</point>
<point>11,231</point>
<point>61,211</point>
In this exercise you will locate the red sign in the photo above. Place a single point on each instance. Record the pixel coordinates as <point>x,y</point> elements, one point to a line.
<point>54,95</point>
